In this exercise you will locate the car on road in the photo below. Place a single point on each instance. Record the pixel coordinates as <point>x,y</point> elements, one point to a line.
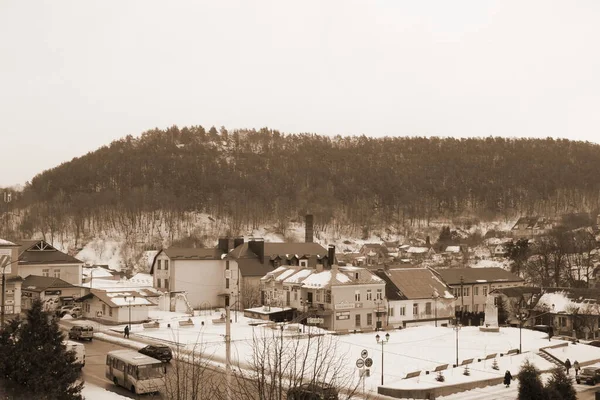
<point>159,351</point>
<point>64,310</point>
<point>80,332</point>
<point>313,391</point>
<point>590,375</point>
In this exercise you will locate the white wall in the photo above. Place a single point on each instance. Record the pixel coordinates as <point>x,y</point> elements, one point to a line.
<point>120,315</point>
<point>69,273</point>
<point>445,310</point>
<point>203,280</point>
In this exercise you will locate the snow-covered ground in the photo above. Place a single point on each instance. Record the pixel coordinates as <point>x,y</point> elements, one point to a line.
<point>93,392</point>
<point>408,350</point>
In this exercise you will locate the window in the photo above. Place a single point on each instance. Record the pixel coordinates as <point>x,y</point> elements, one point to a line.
<point>357,320</point>
<point>356,275</point>
<point>476,308</point>
<point>369,319</point>
<point>328,296</point>
<point>46,272</point>
<point>110,311</point>
<point>379,294</point>
<point>318,296</point>
<point>415,309</point>
<point>485,290</point>
<point>103,309</point>
<point>476,291</point>
<point>562,321</point>
<point>402,311</point>
<point>57,273</point>
<point>357,295</point>
<point>466,292</point>
<point>467,308</point>
<point>391,311</point>
<point>166,265</point>
<point>428,308</point>
<point>369,295</point>
<point>304,263</point>
<point>159,264</point>
<point>226,283</point>
<point>166,284</point>
<point>295,295</point>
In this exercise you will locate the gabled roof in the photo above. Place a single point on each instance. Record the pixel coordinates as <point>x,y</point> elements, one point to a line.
<point>413,283</point>
<point>477,275</point>
<point>36,283</point>
<point>40,252</point>
<point>118,299</point>
<point>188,253</point>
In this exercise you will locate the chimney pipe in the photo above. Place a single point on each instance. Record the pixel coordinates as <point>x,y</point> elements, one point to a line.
<point>308,233</point>
<point>331,255</point>
<point>223,245</point>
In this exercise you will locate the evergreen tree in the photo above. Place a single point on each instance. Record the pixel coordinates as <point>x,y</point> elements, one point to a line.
<point>530,385</point>
<point>41,364</point>
<point>562,384</point>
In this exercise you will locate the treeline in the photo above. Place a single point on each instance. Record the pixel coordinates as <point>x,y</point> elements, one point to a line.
<point>251,177</point>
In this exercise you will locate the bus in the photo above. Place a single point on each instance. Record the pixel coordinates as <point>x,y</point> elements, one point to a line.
<point>135,371</point>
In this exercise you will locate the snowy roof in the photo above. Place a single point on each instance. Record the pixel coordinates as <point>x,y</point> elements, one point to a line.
<point>6,243</point>
<point>453,249</point>
<point>413,283</point>
<point>142,279</point>
<point>96,272</point>
<point>118,299</point>
<point>325,279</point>
<point>417,250</point>
<point>452,276</point>
<point>299,276</point>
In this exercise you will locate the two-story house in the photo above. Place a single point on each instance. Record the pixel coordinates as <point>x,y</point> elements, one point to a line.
<point>340,298</point>
<point>37,257</point>
<point>417,296</point>
<point>532,226</point>
<point>9,256</point>
<point>471,286</point>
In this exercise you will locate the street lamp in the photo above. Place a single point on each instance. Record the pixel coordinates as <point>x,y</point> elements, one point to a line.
<point>435,296</point>
<point>303,304</point>
<point>456,328</point>
<point>130,300</point>
<point>382,341</point>
<point>523,315</point>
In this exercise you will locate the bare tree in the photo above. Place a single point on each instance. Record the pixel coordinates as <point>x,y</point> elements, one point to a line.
<point>279,362</point>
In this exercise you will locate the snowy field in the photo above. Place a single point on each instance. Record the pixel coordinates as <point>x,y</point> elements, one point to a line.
<point>408,350</point>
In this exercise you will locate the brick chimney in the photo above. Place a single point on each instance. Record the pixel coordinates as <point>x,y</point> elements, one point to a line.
<point>308,232</point>
<point>223,245</point>
<point>257,246</point>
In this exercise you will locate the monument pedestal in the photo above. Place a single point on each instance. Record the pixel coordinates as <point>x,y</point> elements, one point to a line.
<point>491,317</point>
<point>489,328</point>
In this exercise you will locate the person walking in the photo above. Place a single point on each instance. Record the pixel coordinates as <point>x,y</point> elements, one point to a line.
<point>126,331</point>
<point>507,378</point>
<point>567,365</point>
<point>576,367</point>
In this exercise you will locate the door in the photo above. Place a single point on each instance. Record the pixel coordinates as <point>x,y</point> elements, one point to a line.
<point>287,299</point>
<point>309,297</point>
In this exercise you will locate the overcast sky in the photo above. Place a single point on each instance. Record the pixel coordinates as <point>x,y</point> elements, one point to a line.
<point>76,75</point>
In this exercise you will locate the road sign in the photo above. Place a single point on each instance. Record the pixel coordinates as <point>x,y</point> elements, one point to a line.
<point>315,320</point>
<point>360,363</point>
<point>364,354</point>
<point>368,362</point>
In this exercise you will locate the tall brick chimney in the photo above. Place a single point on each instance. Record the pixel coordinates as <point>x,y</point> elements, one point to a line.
<point>308,232</point>
<point>238,241</point>
<point>257,246</point>
<point>331,255</point>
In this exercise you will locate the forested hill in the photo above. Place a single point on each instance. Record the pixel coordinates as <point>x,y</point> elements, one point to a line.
<point>253,176</point>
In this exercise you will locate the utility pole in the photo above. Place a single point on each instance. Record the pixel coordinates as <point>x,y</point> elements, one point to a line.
<point>228,347</point>
<point>462,298</point>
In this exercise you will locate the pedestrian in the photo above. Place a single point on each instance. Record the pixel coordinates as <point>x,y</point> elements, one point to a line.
<point>567,365</point>
<point>576,367</point>
<point>507,378</point>
<point>126,331</point>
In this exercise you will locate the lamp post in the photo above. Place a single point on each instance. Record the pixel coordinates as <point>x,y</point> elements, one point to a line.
<point>303,304</point>
<point>130,300</point>
<point>456,328</point>
<point>382,341</point>
<point>523,314</point>
<point>435,296</point>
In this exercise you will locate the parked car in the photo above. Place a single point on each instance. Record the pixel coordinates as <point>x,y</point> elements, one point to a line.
<point>64,310</point>
<point>313,391</point>
<point>159,351</point>
<point>76,312</point>
<point>595,343</point>
<point>80,332</point>
<point>590,375</point>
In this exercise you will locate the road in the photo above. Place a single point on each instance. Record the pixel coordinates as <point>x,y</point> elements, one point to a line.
<point>95,362</point>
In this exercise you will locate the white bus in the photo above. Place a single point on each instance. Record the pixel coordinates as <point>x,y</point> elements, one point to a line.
<point>135,371</point>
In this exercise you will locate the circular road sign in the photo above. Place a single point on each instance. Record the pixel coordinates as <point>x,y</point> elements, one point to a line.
<point>360,363</point>
<point>364,354</point>
<point>368,362</point>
